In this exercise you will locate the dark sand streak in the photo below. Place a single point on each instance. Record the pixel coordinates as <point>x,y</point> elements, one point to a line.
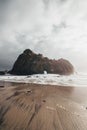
<point>42,107</point>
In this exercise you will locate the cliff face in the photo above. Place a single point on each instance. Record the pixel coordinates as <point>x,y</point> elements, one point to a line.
<point>31,63</point>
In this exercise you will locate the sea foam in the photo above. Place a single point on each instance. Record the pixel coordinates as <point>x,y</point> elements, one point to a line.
<point>79,79</point>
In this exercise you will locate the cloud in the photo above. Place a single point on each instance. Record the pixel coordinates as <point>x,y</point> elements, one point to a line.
<point>46,3</point>
<point>55,28</point>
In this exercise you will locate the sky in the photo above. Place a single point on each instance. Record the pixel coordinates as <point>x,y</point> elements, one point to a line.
<point>54,28</point>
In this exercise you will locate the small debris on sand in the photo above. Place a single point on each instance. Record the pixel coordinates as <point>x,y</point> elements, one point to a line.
<point>2,86</point>
<point>44,101</point>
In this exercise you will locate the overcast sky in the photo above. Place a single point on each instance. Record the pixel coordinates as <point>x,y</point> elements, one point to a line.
<point>55,28</point>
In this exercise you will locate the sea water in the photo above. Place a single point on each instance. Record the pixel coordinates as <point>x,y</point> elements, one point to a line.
<point>77,79</point>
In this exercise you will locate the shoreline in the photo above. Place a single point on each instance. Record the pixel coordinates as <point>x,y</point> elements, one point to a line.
<point>9,83</point>
<point>42,107</point>
<point>49,79</point>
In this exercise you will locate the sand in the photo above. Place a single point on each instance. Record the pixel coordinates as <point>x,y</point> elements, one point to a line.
<point>42,107</point>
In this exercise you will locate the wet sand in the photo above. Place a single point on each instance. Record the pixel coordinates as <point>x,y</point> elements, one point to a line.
<point>42,107</point>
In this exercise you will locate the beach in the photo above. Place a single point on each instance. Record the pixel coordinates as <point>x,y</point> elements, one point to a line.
<point>28,106</point>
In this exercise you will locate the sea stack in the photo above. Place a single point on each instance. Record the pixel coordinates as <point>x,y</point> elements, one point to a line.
<point>31,63</point>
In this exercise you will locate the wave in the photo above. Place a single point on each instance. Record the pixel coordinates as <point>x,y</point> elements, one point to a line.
<point>77,79</point>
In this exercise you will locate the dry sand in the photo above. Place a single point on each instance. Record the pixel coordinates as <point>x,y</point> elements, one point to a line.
<point>42,107</point>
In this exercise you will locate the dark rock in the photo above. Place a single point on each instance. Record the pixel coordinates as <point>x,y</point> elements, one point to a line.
<point>30,63</point>
<point>1,86</point>
<point>44,100</point>
<point>2,73</point>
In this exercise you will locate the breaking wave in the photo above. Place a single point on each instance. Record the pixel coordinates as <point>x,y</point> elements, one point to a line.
<point>79,79</point>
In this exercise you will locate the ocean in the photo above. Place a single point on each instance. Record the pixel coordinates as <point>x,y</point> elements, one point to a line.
<point>77,79</point>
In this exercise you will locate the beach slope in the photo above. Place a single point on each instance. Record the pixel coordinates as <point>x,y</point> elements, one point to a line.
<point>42,107</point>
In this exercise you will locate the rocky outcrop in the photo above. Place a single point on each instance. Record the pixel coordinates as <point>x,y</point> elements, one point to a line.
<point>30,63</point>
<point>2,72</point>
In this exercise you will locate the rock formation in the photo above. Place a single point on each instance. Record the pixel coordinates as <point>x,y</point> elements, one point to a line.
<point>2,73</point>
<point>30,63</point>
